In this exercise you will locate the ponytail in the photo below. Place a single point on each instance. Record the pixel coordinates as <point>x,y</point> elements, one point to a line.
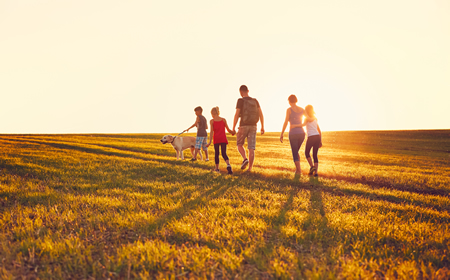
<point>215,110</point>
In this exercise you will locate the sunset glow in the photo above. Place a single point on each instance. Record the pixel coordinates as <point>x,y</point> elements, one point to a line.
<point>143,66</point>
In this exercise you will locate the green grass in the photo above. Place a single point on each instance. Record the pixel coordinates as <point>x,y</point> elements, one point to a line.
<point>121,206</point>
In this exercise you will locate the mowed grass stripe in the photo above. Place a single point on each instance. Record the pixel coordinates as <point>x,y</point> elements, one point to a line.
<point>442,203</point>
<point>385,177</point>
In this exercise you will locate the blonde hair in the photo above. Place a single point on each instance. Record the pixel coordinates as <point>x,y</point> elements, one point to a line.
<point>310,111</point>
<point>215,110</point>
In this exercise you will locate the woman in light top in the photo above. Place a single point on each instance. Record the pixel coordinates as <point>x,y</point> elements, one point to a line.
<point>294,115</point>
<point>314,139</point>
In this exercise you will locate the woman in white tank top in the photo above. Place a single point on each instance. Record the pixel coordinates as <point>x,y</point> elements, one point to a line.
<point>314,139</point>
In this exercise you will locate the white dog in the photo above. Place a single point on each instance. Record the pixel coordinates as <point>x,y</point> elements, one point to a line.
<point>180,144</point>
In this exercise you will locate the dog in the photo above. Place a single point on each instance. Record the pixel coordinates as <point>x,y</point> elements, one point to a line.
<point>180,144</point>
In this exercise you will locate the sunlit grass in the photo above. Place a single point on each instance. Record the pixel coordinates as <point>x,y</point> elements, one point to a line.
<point>119,206</point>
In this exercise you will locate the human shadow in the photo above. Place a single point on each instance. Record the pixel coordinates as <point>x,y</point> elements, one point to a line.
<point>377,182</point>
<point>118,153</point>
<point>335,190</point>
<point>277,180</point>
<point>316,224</point>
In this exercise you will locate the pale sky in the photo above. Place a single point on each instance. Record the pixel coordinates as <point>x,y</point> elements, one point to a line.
<point>143,66</point>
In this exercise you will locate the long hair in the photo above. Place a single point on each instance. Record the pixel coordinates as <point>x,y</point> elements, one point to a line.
<point>215,111</point>
<point>310,111</point>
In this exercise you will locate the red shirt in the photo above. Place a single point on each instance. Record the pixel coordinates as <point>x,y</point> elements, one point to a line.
<point>219,132</point>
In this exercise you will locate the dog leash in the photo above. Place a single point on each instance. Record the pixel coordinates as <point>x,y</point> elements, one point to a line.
<point>178,135</point>
<point>181,133</point>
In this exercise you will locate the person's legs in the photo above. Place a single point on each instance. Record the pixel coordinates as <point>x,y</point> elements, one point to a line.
<point>314,143</point>
<point>294,149</point>
<point>301,138</point>
<point>223,148</point>
<point>251,140</point>
<point>204,148</point>
<point>296,141</point>
<point>251,159</point>
<point>316,152</point>
<point>198,146</point>
<point>225,157</point>
<point>308,151</point>
<point>240,141</point>
<point>298,170</point>
<point>216,155</point>
<point>241,150</point>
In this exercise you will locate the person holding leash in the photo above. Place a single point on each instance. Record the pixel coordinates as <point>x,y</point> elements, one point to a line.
<point>249,111</point>
<point>218,126</point>
<point>202,135</point>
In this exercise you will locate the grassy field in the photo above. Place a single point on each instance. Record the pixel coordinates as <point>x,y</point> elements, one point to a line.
<point>121,206</point>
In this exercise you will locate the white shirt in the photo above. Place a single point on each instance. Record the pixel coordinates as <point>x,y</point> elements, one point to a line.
<point>311,128</point>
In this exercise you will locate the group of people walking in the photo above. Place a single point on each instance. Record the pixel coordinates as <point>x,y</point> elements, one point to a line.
<point>249,112</point>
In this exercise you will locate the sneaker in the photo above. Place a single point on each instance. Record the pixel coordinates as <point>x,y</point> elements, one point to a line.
<point>230,171</point>
<point>244,164</point>
<point>311,170</point>
<point>316,175</point>
<point>193,159</point>
<point>207,159</point>
<point>217,170</point>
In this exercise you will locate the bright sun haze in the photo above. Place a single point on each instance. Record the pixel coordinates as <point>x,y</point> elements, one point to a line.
<point>143,66</point>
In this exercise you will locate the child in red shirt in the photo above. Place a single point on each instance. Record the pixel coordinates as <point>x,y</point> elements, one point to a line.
<point>217,133</point>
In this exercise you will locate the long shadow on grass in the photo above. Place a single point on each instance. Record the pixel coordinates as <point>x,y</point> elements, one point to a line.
<point>376,183</point>
<point>185,208</point>
<point>312,245</point>
<point>67,142</point>
<point>151,230</point>
<point>348,192</point>
<point>260,260</point>
<point>379,182</point>
<point>420,188</point>
<point>282,181</point>
<point>100,151</point>
<point>276,181</point>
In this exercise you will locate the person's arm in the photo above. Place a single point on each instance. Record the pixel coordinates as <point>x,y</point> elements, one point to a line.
<point>261,117</point>
<point>211,134</point>
<point>308,118</point>
<point>305,121</point>
<point>288,113</point>
<point>226,126</point>
<point>236,118</point>
<point>195,124</point>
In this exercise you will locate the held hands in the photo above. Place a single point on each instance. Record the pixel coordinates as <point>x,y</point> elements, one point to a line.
<point>207,145</point>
